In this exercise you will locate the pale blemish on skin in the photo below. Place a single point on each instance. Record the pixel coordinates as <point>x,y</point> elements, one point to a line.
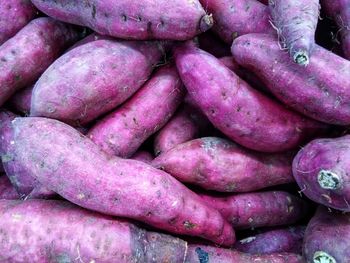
<point>80,196</point>
<point>16,217</point>
<point>247,240</point>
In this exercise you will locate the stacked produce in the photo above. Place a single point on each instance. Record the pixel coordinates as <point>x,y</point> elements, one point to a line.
<point>184,131</point>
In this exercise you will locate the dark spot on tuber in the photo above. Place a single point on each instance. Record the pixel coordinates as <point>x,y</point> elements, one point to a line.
<point>189,225</point>
<point>93,11</point>
<point>203,256</point>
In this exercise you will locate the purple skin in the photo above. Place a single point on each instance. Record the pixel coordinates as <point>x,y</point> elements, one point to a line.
<point>123,131</point>
<point>15,14</point>
<point>208,254</point>
<point>82,84</point>
<point>213,45</point>
<point>321,169</point>
<point>236,109</point>
<point>327,237</point>
<point>7,191</point>
<point>27,55</point>
<point>130,19</point>
<point>185,125</point>
<point>143,156</point>
<point>25,184</point>
<point>260,209</point>
<point>234,18</point>
<point>295,22</point>
<point>220,165</point>
<point>111,185</point>
<point>21,100</point>
<point>339,10</point>
<point>275,241</point>
<point>45,231</point>
<point>321,90</point>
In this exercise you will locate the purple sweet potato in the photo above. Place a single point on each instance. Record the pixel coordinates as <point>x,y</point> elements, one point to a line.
<point>7,191</point>
<point>57,231</point>
<point>208,254</point>
<point>24,57</point>
<point>242,113</point>
<point>94,78</point>
<point>339,10</point>
<point>220,165</point>
<point>90,38</point>
<point>212,44</point>
<point>321,169</point>
<point>20,102</point>
<point>77,169</point>
<point>14,15</point>
<point>124,130</point>
<point>234,18</point>
<point>143,156</point>
<point>131,19</point>
<point>274,241</point>
<point>296,22</point>
<point>25,184</point>
<point>185,125</point>
<point>321,90</point>
<point>327,237</point>
<point>260,209</point>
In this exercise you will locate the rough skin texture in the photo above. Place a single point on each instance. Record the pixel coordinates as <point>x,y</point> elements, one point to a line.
<point>21,100</point>
<point>260,209</point>
<point>24,57</point>
<point>132,19</point>
<point>339,10</point>
<point>208,254</point>
<point>185,125</point>
<point>82,84</point>
<point>327,232</point>
<point>124,130</point>
<point>56,231</point>
<point>274,241</point>
<point>7,191</point>
<point>14,15</point>
<point>143,156</point>
<point>220,165</point>
<point>321,169</point>
<point>234,18</point>
<point>236,109</point>
<point>296,22</point>
<point>111,185</point>
<point>25,184</point>
<point>321,90</point>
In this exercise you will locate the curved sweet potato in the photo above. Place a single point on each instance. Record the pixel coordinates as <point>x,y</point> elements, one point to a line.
<point>111,185</point>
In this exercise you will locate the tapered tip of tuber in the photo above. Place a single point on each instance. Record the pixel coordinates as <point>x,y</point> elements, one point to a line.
<point>206,23</point>
<point>301,58</point>
<point>323,257</point>
<point>328,180</point>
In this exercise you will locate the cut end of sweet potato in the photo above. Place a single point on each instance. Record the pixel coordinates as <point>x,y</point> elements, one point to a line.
<point>328,180</point>
<point>323,257</point>
<point>301,58</point>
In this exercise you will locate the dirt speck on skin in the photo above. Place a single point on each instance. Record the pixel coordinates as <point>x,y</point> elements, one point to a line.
<point>189,225</point>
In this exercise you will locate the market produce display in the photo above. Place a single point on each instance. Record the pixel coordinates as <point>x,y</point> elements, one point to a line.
<point>184,131</point>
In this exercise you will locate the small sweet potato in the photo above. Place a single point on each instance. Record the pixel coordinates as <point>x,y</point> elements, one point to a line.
<point>208,254</point>
<point>260,209</point>
<point>130,19</point>
<point>72,165</point>
<point>274,241</point>
<point>93,78</point>
<point>58,231</point>
<point>24,57</point>
<point>14,15</point>
<point>320,91</point>
<point>321,169</point>
<point>234,18</point>
<point>24,183</point>
<point>220,165</point>
<point>21,100</point>
<point>7,191</point>
<point>124,130</point>
<point>242,113</point>
<point>143,156</point>
<point>327,237</point>
<point>296,22</point>
<point>185,125</point>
